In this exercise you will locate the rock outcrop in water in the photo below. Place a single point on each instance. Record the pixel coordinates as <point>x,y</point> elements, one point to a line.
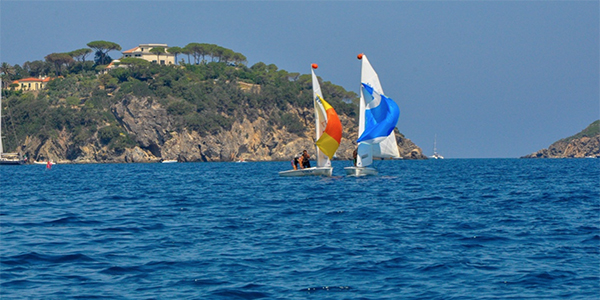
<point>156,138</point>
<point>584,144</point>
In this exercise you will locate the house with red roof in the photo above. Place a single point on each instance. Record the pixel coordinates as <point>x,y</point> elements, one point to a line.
<point>31,83</point>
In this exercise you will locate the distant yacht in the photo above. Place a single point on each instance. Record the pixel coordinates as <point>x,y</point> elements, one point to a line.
<point>435,154</point>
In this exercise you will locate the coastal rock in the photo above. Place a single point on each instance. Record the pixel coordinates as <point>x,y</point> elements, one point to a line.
<point>147,119</point>
<point>156,138</point>
<point>408,149</point>
<point>53,149</point>
<point>584,144</point>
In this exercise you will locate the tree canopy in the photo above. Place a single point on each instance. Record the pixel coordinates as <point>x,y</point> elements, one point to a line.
<point>216,53</point>
<point>59,59</point>
<point>102,48</point>
<point>175,51</point>
<point>80,54</point>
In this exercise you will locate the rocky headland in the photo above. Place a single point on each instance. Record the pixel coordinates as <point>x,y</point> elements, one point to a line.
<point>157,138</point>
<point>215,108</point>
<point>584,144</point>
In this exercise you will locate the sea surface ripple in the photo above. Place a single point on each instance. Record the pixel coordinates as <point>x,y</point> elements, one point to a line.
<point>435,229</point>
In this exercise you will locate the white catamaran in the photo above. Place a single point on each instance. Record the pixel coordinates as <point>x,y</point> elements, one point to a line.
<point>7,158</point>
<point>378,116</point>
<point>328,134</point>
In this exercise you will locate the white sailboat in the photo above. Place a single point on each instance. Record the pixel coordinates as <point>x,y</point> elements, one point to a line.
<point>435,154</point>
<point>7,158</point>
<point>378,116</point>
<point>328,132</point>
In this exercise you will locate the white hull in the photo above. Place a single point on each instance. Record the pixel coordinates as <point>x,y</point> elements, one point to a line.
<point>170,161</point>
<point>314,171</point>
<point>8,161</point>
<point>360,171</point>
<point>43,163</point>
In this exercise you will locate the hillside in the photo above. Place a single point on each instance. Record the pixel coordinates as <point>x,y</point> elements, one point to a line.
<point>211,111</point>
<point>583,144</point>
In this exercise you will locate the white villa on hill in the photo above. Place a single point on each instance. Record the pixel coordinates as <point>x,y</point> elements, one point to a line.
<point>143,52</point>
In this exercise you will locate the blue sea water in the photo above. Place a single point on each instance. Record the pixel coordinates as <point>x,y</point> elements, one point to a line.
<point>435,229</point>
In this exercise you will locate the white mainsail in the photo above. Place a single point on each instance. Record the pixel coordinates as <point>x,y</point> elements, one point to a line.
<point>387,148</point>
<point>320,120</point>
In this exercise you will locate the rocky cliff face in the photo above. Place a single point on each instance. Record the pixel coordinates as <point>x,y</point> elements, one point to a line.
<point>584,144</point>
<point>157,139</point>
<point>577,148</point>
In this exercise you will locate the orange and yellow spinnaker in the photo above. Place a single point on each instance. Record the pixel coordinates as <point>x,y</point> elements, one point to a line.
<point>332,136</point>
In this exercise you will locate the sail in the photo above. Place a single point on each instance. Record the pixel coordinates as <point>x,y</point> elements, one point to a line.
<point>378,117</point>
<point>381,116</point>
<point>330,140</point>
<point>327,125</point>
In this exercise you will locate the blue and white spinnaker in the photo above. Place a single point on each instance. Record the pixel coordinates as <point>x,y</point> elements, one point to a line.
<point>378,116</point>
<point>381,116</point>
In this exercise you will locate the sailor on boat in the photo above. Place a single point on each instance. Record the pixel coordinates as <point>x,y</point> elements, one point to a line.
<point>302,159</point>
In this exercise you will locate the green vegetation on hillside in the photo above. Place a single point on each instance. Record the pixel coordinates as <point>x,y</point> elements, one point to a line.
<point>204,96</point>
<point>590,131</point>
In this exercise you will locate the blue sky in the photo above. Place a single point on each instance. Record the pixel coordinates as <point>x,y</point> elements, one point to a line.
<point>490,78</point>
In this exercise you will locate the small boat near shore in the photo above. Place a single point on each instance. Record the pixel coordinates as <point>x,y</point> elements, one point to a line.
<point>44,162</point>
<point>11,159</point>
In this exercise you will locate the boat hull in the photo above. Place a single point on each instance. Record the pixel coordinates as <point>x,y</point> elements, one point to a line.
<point>11,162</point>
<point>360,171</point>
<point>314,171</point>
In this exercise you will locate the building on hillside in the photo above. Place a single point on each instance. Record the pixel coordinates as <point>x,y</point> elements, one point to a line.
<point>143,52</point>
<point>31,83</point>
<point>113,64</point>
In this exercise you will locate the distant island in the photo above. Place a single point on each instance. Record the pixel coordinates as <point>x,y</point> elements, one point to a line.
<point>584,144</point>
<point>147,107</point>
